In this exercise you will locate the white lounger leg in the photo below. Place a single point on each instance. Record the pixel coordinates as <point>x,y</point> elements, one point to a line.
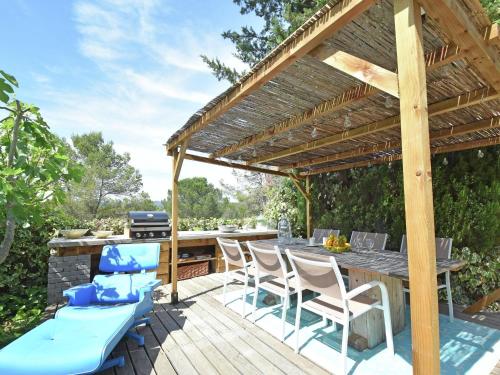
<point>387,318</point>
<point>225,287</point>
<point>345,340</point>
<point>297,321</point>
<point>255,295</point>
<point>244,296</point>
<point>283,317</point>
<point>448,296</point>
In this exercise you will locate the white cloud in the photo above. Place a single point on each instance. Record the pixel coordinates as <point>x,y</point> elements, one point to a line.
<point>149,79</point>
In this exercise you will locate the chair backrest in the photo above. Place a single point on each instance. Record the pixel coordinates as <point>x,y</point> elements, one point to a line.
<point>318,276</point>
<point>268,261</point>
<point>318,234</point>
<point>130,257</point>
<point>122,288</point>
<point>368,241</point>
<point>443,247</point>
<point>233,254</point>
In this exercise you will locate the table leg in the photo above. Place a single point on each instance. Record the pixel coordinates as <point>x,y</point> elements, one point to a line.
<point>371,324</point>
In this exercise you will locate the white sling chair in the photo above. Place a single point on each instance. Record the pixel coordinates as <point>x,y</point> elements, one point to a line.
<point>368,241</point>
<point>233,256</point>
<point>334,302</point>
<point>443,251</point>
<point>270,262</point>
<point>318,234</point>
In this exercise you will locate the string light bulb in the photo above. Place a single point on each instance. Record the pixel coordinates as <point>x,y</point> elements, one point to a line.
<point>388,102</point>
<point>480,154</point>
<point>347,121</point>
<point>445,161</point>
<point>254,153</point>
<point>314,132</point>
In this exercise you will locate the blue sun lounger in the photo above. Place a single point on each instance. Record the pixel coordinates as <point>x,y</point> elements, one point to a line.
<point>82,335</point>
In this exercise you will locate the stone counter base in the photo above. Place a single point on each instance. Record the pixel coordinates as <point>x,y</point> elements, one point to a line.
<point>66,272</point>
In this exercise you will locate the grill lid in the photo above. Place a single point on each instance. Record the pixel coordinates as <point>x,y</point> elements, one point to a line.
<point>148,216</point>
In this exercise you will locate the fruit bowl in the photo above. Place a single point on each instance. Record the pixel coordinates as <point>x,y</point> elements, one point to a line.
<point>73,233</point>
<point>102,233</point>
<point>337,244</point>
<point>338,249</point>
<point>227,228</point>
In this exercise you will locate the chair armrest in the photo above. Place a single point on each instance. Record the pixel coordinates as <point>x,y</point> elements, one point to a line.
<point>152,285</point>
<point>80,295</point>
<point>363,288</point>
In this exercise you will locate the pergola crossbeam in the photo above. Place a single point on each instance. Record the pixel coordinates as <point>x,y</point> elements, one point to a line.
<point>363,70</point>
<point>445,106</point>
<point>453,131</point>
<point>235,165</point>
<point>462,146</point>
<point>434,59</point>
<point>457,23</point>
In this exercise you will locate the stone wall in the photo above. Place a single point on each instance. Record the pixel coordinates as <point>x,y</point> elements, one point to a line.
<point>66,272</point>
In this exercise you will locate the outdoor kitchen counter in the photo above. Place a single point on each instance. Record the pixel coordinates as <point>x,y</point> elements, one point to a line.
<point>59,244</point>
<point>74,262</point>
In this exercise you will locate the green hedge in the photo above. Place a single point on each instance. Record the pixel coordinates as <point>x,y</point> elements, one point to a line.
<point>23,277</point>
<point>466,191</point>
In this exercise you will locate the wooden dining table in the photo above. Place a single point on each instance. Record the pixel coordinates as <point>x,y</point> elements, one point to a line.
<point>363,266</point>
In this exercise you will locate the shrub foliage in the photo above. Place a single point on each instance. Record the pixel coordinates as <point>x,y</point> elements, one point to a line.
<point>466,191</point>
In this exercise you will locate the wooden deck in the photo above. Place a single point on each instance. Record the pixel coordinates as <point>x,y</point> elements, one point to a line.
<point>200,336</point>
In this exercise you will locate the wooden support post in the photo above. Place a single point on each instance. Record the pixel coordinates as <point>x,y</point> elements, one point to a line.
<point>177,157</point>
<point>308,208</point>
<point>306,193</point>
<point>417,184</point>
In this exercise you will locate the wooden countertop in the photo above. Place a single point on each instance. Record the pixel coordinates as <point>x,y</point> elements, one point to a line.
<point>183,235</point>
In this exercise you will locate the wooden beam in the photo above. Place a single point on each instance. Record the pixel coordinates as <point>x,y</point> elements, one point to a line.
<point>417,182</point>
<point>179,160</point>
<point>300,44</point>
<point>483,302</point>
<point>492,35</point>
<point>456,22</point>
<point>434,59</point>
<point>308,208</point>
<point>463,146</point>
<point>365,71</point>
<point>298,185</point>
<point>234,165</point>
<point>462,101</point>
<point>453,131</point>
<point>443,56</point>
<point>328,106</point>
<point>175,225</point>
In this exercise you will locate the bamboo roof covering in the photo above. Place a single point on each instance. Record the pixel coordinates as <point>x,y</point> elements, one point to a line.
<point>299,109</point>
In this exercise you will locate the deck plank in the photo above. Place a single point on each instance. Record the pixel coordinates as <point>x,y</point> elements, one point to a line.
<point>212,331</point>
<point>140,361</point>
<point>301,362</point>
<point>194,355</point>
<point>220,363</point>
<point>268,346</point>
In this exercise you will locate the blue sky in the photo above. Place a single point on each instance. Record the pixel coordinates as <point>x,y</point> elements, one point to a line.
<point>128,68</point>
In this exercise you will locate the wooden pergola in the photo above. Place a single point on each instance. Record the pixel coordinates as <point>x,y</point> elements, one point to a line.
<point>362,82</point>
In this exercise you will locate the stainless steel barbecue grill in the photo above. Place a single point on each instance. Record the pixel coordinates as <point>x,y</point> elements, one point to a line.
<point>149,224</point>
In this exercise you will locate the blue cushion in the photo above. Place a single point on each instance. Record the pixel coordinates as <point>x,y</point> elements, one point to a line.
<point>91,312</point>
<point>130,257</point>
<point>120,288</point>
<point>61,346</point>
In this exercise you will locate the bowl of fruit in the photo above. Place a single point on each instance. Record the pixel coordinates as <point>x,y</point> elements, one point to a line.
<point>336,244</point>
